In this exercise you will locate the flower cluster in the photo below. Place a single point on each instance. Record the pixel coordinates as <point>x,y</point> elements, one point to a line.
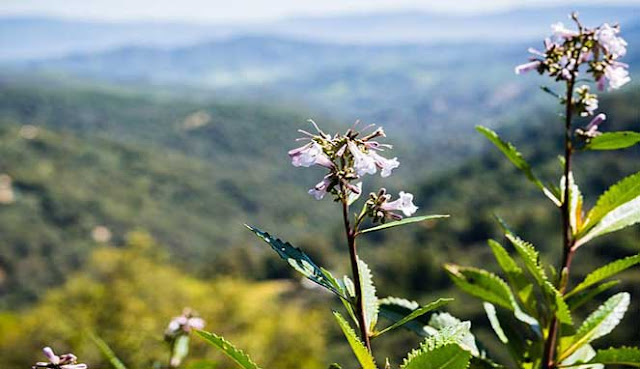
<point>66,361</point>
<point>564,53</point>
<point>380,207</point>
<point>184,323</point>
<point>348,158</point>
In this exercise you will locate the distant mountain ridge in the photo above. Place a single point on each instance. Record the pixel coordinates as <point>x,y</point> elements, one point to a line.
<point>43,37</point>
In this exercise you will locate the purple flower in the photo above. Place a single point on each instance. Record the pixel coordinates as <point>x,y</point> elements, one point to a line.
<point>362,163</point>
<point>559,30</point>
<point>403,204</point>
<point>608,39</point>
<point>308,155</point>
<point>592,127</point>
<point>184,323</point>
<point>66,361</point>
<point>617,75</point>
<point>385,165</point>
<point>320,190</point>
<point>526,67</point>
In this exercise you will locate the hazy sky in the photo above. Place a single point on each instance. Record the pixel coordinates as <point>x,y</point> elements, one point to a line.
<point>253,10</point>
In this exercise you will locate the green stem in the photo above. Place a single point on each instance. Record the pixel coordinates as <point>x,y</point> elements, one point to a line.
<point>353,255</point>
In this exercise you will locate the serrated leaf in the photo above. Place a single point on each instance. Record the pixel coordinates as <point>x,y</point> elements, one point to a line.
<point>617,208</point>
<point>106,350</point>
<point>515,275</point>
<point>613,140</point>
<point>600,323</point>
<point>441,351</point>
<point>395,308</point>
<point>605,272</point>
<point>489,287</point>
<point>467,341</point>
<point>369,298</point>
<point>629,356</point>
<point>238,356</point>
<point>404,221</point>
<point>529,256</point>
<point>298,260</point>
<point>415,314</point>
<point>562,311</point>
<point>359,350</point>
<point>581,298</point>
<point>516,158</point>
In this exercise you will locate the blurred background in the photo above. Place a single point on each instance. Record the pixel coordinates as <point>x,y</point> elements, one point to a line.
<point>136,137</point>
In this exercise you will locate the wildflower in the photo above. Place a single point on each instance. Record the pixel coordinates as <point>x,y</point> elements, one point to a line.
<point>308,155</point>
<point>608,39</point>
<point>385,165</point>
<point>591,130</point>
<point>184,323</point>
<point>559,30</point>
<point>403,204</point>
<point>320,190</point>
<point>526,67</point>
<point>66,361</point>
<point>617,75</point>
<point>587,103</point>
<point>362,163</point>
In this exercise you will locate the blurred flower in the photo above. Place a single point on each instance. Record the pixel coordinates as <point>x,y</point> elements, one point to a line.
<point>29,132</point>
<point>617,75</point>
<point>184,323</point>
<point>403,204</point>
<point>586,103</point>
<point>66,361</point>
<point>101,234</point>
<point>526,67</point>
<point>308,155</point>
<point>559,30</point>
<point>591,130</point>
<point>608,39</point>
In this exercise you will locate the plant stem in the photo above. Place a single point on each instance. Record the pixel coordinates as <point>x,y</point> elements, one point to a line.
<point>567,236</point>
<point>353,255</point>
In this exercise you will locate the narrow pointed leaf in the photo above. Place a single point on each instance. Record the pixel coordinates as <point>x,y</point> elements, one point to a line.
<point>368,295</point>
<point>416,313</point>
<point>495,322</point>
<point>395,309</point>
<point>402,222</point>
<point>627,356</point>
<point>617,208</point>
<point>298,260</point>
<point>516,158</point>
<point>515,275</point>
<point>576,300</point>
<point>600,323</point>
<point>115,362</point>
<point>613,140</point>
<point>530,257</point>
<point>605,272</point>
<point>237,355</point>
<point>359,350</point>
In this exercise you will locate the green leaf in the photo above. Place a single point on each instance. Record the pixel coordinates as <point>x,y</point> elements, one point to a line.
<point>489,287</point>
<point>242,359</point>
<point>369,298</point>
<point>415,314</point>
<point>299,261</point>
<point>582,355</point>
<point>605,272</point>
<point>444,320</point>
<point>440,351</point>
<point>515,275</point>
<point>575,203</point>
<point>402,222</point>
<point>629,356</point>
<point>529,256</point>
<point>613,140</point>
<point>581,298</point>
<point>617,208</point>
<point>562,311</point>
<point>362,354</point>
<point>600,323</point>
<point>107,352</point>
<point>495,322</point>
<point>395,308</point>
<point>516,158</point>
